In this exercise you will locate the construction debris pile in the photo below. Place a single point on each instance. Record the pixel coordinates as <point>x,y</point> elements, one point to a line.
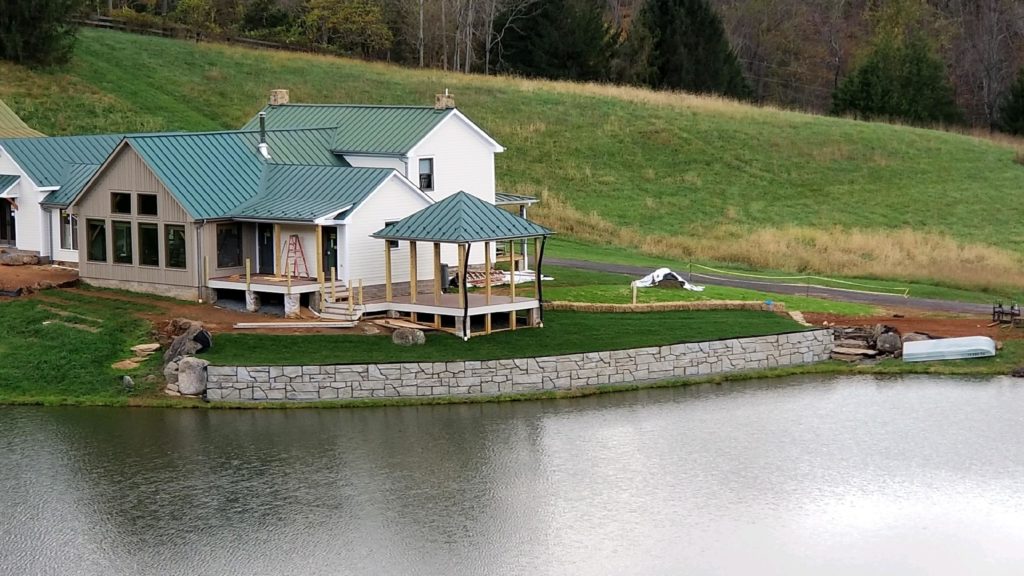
<point>866,343</point>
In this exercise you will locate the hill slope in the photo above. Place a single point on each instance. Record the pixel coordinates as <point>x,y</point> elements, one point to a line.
<point>668,174</point>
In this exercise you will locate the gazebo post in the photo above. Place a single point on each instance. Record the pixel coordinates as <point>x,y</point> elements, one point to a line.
<point>387,271</point>
<point>412,276</point>
<point>437,282</point>
<point>512,282</point>
<point>487,285</point>
<point>540,287</point>
<point>467,328</point>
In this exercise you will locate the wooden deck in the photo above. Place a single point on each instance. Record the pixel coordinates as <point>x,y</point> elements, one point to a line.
<point>266,283</point>
<point>452,304</point>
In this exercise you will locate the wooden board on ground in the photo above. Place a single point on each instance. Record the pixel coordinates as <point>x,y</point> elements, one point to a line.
<point>399,323</point>
<point>294,325</point>
<point>855,351</point>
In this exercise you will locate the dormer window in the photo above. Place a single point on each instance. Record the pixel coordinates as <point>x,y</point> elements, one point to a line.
<point>426,174</point>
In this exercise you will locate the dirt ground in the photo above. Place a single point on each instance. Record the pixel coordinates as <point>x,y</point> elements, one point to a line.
<point>32,278</point>
<point>934,325</point>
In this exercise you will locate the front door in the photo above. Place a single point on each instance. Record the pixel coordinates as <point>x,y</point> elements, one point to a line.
<point>330,255</point>
<point>265,248</point>
<point>6,223</point>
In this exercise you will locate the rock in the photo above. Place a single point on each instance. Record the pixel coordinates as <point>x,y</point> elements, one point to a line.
<point>204,339</point>
<point>170,392</point>
<point>15,259</point>
<point>409,337</point>
<point>889,343</point>
<point>915,337</point>
<point>125,365</point>
<point>370,329</point>
<point>127,382</point>
<point>192,376</point>
<point>856,352</point>
<point>171,373</point>
<point>146,348</point>
<point>1018,372</point>
<point>192,340</point>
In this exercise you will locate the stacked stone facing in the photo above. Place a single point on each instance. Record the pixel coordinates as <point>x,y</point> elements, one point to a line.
<point>459,378</point>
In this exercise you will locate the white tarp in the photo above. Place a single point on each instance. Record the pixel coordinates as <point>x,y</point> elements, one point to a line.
<point>660,274</point>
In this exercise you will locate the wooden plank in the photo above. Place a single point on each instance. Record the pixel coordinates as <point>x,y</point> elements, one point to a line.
<point>294,325</point>
<point>412,272</point>
<point>399,323</point>
<point>487,279</point>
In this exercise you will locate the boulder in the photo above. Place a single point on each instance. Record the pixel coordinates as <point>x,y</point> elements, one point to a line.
<point>16,259</point>
<point>915,337</point>
<point>192,376</point>
<point>193,340</point>
<point>1018,372</point>
<point>370,330</point>
<point>146,349</point>
<point>409,337</point>
<point>889,343</point>
<point>171,373</point>
<point>127,382</point>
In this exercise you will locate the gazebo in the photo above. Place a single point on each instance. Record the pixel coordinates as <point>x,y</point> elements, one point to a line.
<point>463,220</point>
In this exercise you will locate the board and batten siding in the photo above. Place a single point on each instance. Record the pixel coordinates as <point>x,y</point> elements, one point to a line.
<point>127,172</point>
<point>393,201</point>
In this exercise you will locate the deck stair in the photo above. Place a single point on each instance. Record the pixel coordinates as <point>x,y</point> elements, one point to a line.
<point>334,306</point>
<point>339,294</point>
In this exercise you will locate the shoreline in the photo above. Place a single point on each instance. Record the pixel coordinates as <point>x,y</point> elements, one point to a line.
<point>827,368</point>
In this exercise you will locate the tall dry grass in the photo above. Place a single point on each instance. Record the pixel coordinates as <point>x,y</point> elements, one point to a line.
<point>901,254</point>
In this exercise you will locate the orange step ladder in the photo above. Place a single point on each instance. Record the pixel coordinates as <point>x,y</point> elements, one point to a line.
<point>293,255</point>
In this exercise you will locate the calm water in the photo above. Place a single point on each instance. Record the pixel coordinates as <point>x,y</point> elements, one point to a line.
<point>807,476</point>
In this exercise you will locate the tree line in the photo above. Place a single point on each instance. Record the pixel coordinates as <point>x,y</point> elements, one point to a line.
<point>916,61</point>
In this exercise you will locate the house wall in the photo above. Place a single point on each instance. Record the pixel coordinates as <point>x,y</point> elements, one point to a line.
<point>30,228</point>
<point>208,235</point>
<point>59,254</point>
<point>128,173</point>
<point>360,161</point>
<point>393,201</point>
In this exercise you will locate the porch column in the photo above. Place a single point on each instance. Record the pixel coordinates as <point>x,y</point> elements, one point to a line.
<point>487,285</point>
<point>412,273</point>
<point>277,250</point>
<point>522,214</point>
<point>387,271</point>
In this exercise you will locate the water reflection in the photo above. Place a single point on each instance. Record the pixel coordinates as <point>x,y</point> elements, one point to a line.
<point>844,475</point>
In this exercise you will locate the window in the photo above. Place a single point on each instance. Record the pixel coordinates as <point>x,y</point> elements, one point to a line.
<point>147,204</point>
<point>122,242</point>
<point>229,245</point>
<point>120,203</point>
<point>392,244</point>
<point>175,248</point>
<point>149,245</point>
<point>68,231</point>
<point>426,173</point>
<point>96,235</point>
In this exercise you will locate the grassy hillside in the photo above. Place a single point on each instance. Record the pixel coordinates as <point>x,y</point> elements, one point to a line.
<point>669,175</point>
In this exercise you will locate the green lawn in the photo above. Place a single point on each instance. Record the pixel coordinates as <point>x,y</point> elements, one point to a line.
<point>563,333</point>
<point>667,175</point>
<point>47,360</point>
<point>575,285</point>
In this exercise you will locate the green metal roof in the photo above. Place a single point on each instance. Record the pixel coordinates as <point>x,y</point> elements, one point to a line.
<point>77,176</point>
<point>211,174</point>
<point>305,193</point>
<point>458,218</point>
<point>6,182</point>
<point>11,126</point>
<point>387,130</point>
<point>46,160</point>
<point>503,199</point>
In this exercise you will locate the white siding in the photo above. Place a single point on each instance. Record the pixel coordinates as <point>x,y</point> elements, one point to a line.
<point>392,162</point>
<point>307,239</point>
<point>393,201</point>
<point>29,225</point>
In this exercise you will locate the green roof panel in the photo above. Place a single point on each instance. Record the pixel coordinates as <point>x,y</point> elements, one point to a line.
<point>46,160</point>
<point>460,218</point>
<point>305,193</point>
<point>7,182</point>
<point>386,130</point>
<point>77,176</point>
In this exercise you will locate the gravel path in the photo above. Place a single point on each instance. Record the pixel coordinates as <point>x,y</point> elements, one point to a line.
<point>884,300</point>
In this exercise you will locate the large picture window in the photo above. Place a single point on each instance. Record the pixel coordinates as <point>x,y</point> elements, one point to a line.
<point>426,174</point>
<point>120,203</point>
<point>149,245</point>
<point>68,231</point>
<point>123,249</point>
<point>175,248</point>
<point>229,245</point>
<point>96,236</point>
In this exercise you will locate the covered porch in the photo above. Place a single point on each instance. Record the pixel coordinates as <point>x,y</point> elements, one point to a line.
<point>465,221</point>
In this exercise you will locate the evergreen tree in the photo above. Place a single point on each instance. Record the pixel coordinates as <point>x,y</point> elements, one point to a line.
<point>38,32</point>
<point>560,39</point>
<point>1011,112</point>
<point>685,48</point>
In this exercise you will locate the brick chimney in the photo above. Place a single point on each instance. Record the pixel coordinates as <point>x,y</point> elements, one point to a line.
<point>278,97</point>
<point>444,101</point>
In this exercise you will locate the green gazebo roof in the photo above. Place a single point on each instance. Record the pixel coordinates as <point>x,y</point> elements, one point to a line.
<point>460,218</point>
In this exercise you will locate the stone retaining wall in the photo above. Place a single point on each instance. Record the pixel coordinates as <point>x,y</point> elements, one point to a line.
<point>458,378</point>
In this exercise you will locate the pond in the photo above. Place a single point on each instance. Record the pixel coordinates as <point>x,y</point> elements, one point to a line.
<point>845,475</point>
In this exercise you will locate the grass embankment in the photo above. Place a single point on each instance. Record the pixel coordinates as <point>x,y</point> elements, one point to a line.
<point>668,175</point>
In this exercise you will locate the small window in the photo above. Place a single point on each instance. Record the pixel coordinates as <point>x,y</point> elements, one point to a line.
<point>149,245</point>
<point>122,242</point>
<point>120,203</point>
<point>96,235</point>
<point>426,174</point>
<point>68,231</point>
<point>175,248</point>
<point>229,245</point>
<point>392,244</point>
<point>147,204</point>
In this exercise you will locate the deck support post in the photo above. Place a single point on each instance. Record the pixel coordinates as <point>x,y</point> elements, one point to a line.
<point>387,271</point>
<point>487,271</point>
<point>248,275</point>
